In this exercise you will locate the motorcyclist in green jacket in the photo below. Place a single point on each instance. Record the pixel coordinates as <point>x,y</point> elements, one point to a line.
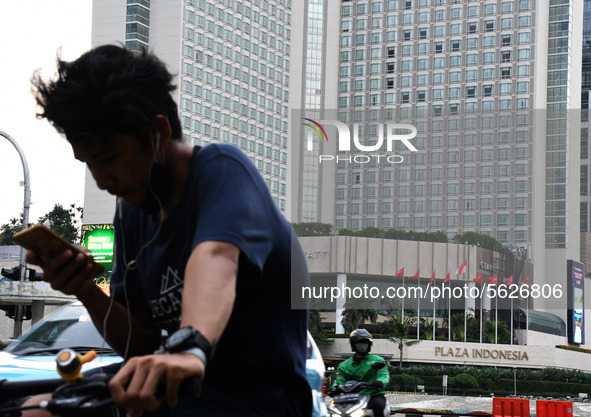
<point>359,368</point>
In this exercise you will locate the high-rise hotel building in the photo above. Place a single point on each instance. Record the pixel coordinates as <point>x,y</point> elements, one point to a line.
<point>232,64</point>
<point>493,88</point>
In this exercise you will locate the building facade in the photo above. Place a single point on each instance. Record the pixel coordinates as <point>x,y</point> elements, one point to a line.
<point>492,88</point>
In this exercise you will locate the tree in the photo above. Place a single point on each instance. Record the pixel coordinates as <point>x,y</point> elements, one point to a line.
<point>316,329</point>
<point>64,222</point>
<point>358,311</point>
<point>9,229</point>
<point>473,238</point>
<point>427,325</point>
<point>464,381</point>
<point>312,229</point>
<point>400,328</point>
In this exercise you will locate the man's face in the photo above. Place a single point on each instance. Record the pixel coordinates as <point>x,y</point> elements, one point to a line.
<point>121,166</point>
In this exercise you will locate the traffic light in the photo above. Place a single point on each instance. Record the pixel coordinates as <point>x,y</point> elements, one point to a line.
<point>14,274</point>
<point>11,311</point>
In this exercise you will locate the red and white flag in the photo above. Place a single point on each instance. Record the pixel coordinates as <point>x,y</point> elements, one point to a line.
<point>432,278</point>
<point>447,278</point>
<point>416,275</point>
<point>400,273</point>
<point>526,281</point>
<point>509,280</point>
<point>493,280</point>
<point>461,268</point>
<point>478,278</point>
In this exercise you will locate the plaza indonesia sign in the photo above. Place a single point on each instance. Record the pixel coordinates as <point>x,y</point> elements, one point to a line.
<point>481,353</point>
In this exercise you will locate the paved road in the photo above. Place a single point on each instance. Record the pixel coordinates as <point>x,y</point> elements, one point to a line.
<point>462,405</point>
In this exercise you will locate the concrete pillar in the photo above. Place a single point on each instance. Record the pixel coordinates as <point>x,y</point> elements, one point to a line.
<point>37,311</point>
<point>340,303</point>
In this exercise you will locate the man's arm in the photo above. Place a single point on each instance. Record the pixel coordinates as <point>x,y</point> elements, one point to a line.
<point>208,299</point>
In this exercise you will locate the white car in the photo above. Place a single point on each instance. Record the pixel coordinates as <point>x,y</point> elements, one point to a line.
<point>32,356</point>
<point>315,375</point>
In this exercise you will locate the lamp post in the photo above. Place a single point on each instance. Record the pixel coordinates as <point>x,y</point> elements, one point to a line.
<point>18,321</point>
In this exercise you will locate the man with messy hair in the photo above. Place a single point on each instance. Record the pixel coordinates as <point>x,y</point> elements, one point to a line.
<point>204,260</point>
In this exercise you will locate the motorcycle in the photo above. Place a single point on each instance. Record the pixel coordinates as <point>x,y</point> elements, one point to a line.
<point>348,401</point>
<point>77,395</point>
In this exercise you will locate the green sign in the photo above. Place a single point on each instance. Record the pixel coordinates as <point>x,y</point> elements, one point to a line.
<point>100,241</point>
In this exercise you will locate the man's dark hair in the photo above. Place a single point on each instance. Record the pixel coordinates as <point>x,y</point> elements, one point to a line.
<point>109,90</point>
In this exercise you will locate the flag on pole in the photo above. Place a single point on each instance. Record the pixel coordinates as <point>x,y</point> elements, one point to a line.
<point>526,281</point>
<point>416,275</point>
<point>432,278</point>
<point>509,280</point>
<point>478,278</point>
<point>461,268</point>
<point>400,273</point>
<point>446,278</point>
<point>493,280</point>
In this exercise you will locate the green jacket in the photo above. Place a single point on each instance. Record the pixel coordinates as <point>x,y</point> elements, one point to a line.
<point>360,370</point>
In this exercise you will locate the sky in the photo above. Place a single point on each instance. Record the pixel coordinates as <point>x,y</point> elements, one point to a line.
<point>31,32</point>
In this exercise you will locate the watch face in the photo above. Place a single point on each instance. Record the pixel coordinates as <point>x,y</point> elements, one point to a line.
<point>179,336</point>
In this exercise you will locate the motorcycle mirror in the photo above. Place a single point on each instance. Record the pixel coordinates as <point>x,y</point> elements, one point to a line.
<point>378,365</point>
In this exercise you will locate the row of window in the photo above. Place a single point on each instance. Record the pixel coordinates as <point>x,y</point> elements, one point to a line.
<point>410,19</point>
<point>450,204</point>
<point>502,219</point>
<point>453,188</point>
<point>472,9</point>
<point>434,174</point>
<point>451,222</point>
<point>508,104</point>
<point>222,13</point>
<point>455,45</point>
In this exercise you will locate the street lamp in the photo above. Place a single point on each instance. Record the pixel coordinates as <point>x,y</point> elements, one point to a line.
<point>18,322</point>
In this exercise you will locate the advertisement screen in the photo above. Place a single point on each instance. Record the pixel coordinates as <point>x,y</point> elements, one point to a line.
<point>100,241</point>
<point>576,308</point>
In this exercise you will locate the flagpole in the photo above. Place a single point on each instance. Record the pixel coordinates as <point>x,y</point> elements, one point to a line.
<point>434,301</point>
<point>465,298</point>
<point>496,315</point>
<point>403,298</point>
<point>419,309</point>
<point>448,313</point>
<point>511,320</point>
<point>481,303</point>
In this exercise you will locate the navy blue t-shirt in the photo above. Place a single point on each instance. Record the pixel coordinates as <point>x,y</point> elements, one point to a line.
<point>263,348</point>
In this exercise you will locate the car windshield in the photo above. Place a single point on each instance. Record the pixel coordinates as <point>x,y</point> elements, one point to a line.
<point>68,327</point>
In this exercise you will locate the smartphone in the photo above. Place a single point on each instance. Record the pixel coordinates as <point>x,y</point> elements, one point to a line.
<point>45,242</point>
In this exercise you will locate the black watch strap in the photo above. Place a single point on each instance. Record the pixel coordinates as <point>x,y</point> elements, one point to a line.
<point>188,338</point>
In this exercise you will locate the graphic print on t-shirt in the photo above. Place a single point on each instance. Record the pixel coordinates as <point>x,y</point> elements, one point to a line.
<point>171,295</point>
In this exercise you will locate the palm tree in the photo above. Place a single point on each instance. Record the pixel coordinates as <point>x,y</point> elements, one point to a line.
<point>427,325</point>
<point>357,312</point>
<point>399,329</point>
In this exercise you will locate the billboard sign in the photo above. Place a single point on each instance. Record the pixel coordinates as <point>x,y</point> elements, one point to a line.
<point>576,302</point>
<point>100,241</point>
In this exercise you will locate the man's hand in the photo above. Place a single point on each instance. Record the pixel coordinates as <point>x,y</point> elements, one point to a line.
<point>135,385</point>
<point>378,384</point>
<point>68,271</point>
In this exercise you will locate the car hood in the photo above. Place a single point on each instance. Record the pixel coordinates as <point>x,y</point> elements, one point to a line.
<point>34,367</point>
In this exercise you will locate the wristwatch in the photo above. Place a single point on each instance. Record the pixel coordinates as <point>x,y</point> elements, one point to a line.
<point>190,340</point>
